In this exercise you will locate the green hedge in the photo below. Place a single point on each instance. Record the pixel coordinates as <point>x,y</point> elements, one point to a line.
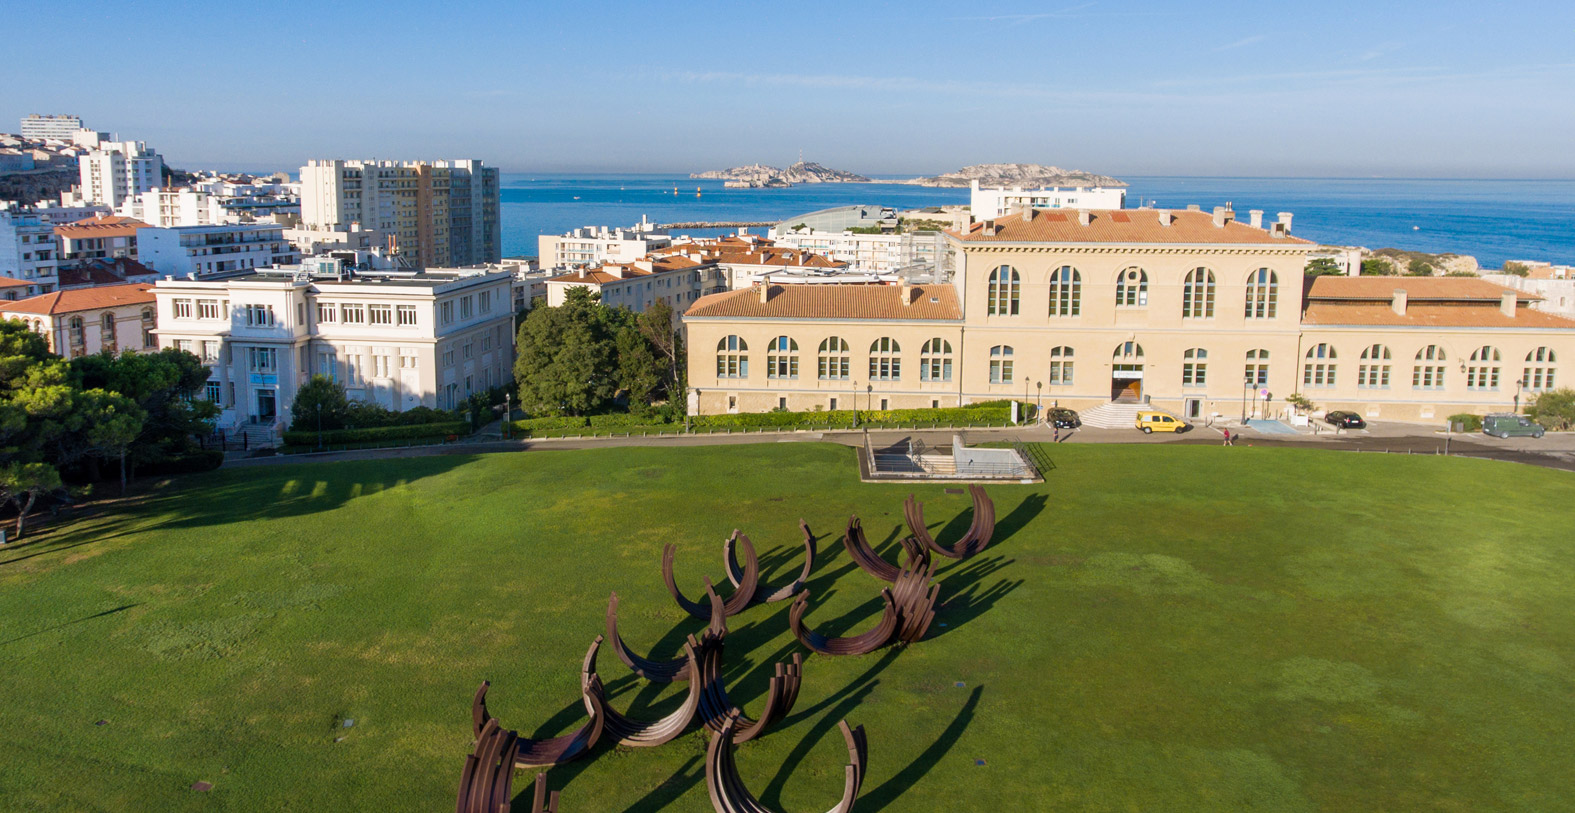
<point>422,430</point>
<point>549,422</point>
<point>185,464</point>
<point>1469,422</point>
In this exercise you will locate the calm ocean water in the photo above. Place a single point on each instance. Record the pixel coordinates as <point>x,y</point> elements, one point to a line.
<point>1491,220</point>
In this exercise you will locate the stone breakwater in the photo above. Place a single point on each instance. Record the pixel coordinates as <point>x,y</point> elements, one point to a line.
<point>715,224</point>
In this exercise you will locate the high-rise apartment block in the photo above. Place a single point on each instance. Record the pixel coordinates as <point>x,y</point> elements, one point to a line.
<point>57,127</point>
<point>115,172</point>
<point>437,214</point>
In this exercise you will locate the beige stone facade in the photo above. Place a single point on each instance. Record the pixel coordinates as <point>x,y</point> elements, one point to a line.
<point>1194,312</point>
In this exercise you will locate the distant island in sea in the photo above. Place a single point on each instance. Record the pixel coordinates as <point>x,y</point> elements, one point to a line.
<point>761,176</point>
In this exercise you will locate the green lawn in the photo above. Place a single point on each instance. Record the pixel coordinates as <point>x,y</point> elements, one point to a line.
<point>1157,628</point>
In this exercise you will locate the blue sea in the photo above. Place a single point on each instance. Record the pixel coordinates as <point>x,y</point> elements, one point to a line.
<point>1492,220</point>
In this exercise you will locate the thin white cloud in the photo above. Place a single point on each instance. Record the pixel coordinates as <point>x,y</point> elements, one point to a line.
<point>1243,42</point>
<point>1016,19</point>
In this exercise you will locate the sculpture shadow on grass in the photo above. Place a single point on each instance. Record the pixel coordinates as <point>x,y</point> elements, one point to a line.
<point>903,781</point>
<point>964,597</point>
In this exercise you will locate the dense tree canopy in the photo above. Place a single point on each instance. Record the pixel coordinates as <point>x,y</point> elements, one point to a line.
<point>579,357</point>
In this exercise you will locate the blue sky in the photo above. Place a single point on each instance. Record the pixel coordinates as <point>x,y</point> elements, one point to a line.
<point>1408,89</point>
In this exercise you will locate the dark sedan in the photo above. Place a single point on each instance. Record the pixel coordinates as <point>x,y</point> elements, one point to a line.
<point>1062,418</point>
<point>1345,420</point>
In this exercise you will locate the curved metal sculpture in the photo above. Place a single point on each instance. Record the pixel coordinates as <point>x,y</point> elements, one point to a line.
<point>977,537</point>
<point>729,795</point>
<point>487,783</point>
<point>763,594</point>
<point>735,603</point>
<point>869,561</point>
<point>551,751</point>
<point>662,671</point>
<point>914,597</point>
<point>639,733</point>
<point>716,707</point>
<point>861,644</point>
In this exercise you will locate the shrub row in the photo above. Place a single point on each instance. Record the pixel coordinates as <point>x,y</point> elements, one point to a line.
<point>1467,421</point>
<point>994,412</point>
<point>424,430</point>
<point>192,463</point>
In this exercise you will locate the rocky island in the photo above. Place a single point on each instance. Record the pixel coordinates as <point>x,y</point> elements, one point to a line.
<point>760,176</point>
<point>1023,175</point>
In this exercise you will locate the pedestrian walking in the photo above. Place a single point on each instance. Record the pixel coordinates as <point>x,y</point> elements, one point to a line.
<point>1227,438</point>
<point>1057,438</point>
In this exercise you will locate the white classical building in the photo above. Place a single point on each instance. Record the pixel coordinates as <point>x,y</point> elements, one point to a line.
<point>988,204</point>
<point>115,172</point>
<point>870,253</point>
<point>593,245</point>
<point>208,250</point>
<point>399,339</point>
<point>56,127</point>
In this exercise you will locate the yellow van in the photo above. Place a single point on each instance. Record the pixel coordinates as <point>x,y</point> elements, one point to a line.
<point>1151,422</point>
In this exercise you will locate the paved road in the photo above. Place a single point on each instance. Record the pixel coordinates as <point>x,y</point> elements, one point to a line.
<point>1554,451</point>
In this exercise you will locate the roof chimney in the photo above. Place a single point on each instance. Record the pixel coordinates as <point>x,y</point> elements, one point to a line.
<point>1285,219</point>
<point>765,291</point>
<point>1398,303</point>
<point>1222,216</point>
<point>1028,214</point>
<point>1507,302</point>
<point>1193,207</point>
<point>1166,218</point>
<point>906,287</point>
<point>1085,217</point>
<point>1256,218</point>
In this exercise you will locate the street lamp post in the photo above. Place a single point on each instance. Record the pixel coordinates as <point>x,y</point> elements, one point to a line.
<point>1519,383</point>
<point>508,414</point>
<point>869,397</point>
<point>1246,387</point>
<point>1039,400</point>
<point>855,403</point>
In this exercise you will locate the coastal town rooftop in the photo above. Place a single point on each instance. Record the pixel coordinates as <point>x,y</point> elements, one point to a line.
<point>1190,226</point>
<point>832,302</point>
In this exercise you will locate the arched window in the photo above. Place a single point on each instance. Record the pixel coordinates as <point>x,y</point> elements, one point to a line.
<point>78,331</point>
<point>1060,365</point>
<point>935,361</point>
<point>1128,353</point>
<point>782,358</point>
<point>1132,288</point>
<point>147,314</point>
<point>108,323</point>
<point>1195,367</point>
<point>1066,292</point>
<point>1005,287</point>
<point>1263,294</point>
<point>832,360</point>
<point>1258,368</point>
<point>1001,364</point>
<point>1428,373</point>
<point>885,363</point>
<point>1374,370</point>
<point>1318,369</point>
<point>1538,374</point>
<point>1482,374</point>
<point>732,358</point>
<point>1197,295</point>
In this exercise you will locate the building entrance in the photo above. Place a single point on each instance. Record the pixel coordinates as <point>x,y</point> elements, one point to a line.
<point>1126,372</point>
<point>267,406</point>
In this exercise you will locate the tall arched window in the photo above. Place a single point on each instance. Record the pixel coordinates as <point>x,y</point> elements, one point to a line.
<point>1005,287</point>
<point>1195,367</point>
<point>1066,291</point>
<point>1132,288</point>
<point>1538,374</point>
<point>732,358</point>
<point>1001,364</point>
<point>78,331</point>
<point>832,360</point>
<point>1428,373</point>
<point>1127,353</point>
<point>1318,369</point>
<point>1374,370</point>
<point>1197,295</point>
<point>108,323</point>
<point>1263,294</point>
<point>1258,368</point>
<point>782,358</point>
<point>1060,365</point>
<point>935,361</point>
<point>885,361</point>
<point>1482,374</point>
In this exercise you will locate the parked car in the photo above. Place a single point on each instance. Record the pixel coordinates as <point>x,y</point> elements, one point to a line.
<point>1347,420</point>
<point>1505,425</point>
<point>1063,418</point>
<point>1151,422</point>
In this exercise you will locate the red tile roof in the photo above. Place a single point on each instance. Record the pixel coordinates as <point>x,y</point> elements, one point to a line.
<point>110,226</point>
<point>881,302</point>
<point>1457,289</point>
<point>605,273</point>
<point>1429,314</point>
<point>1119,226</point>
<point>83,299</point>
<point>7,282</point>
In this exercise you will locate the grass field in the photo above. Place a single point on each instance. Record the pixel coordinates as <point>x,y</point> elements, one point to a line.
<point>1157,628</point>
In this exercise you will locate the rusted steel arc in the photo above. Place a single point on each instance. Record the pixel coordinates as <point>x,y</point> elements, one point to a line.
<point>631,732</point>
<point>487,779</point>
<point>860,644</point>
<point>864,556</point>
<point>763,594</point>
<point>729,794</point>
<point>715,705</point>
<point>734,603</point>
<point>656,671</point>
<point>542,801</point>
<point>555,750</point>
<point>975,539</point>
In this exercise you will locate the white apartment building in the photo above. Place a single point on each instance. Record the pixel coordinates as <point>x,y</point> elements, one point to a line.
<point>594,245</point>
<point>440,213</point>
<point>57,127</point>
<point>28,252</point>
<point>676,280</point>
<point>870,253</point>
<point>1554,283</point>
<point>988,204</point>
<point>85,321</point>
<point>115,172</point>
<point>209,250</point>
<point>168,208</point>
<point>399,339</point>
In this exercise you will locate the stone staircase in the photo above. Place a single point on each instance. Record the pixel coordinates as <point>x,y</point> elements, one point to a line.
<point>258,436</point>
<point>1115,415</point>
